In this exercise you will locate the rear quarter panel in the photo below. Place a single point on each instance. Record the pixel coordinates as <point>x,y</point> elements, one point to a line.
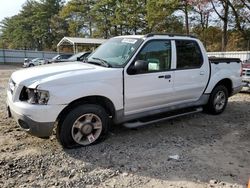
<point>222,71</point>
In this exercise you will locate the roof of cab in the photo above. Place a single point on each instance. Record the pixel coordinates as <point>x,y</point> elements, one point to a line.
<point>131,36</point>
<point>157,35</point>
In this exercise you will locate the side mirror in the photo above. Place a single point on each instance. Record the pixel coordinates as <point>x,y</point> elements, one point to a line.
<point>78,59</point>
<point>141,66</point>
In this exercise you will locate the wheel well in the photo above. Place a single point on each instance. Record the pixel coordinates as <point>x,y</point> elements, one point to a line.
<point>99,100</point>
<point>228,84</point>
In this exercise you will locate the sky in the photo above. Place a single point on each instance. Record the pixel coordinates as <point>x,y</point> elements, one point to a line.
<point>10,8</point>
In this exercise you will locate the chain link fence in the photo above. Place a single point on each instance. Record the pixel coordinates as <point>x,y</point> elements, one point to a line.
<point>18,56</point>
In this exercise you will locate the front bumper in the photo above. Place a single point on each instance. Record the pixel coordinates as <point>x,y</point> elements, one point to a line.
<point>37,120</point>
<point>246,82</point>
<point>39,129</point>
<point>246,87</point>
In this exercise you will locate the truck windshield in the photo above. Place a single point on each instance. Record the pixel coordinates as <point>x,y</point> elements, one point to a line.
<point>116,51</point>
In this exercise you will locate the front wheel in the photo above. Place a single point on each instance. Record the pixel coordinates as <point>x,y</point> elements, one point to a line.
<point>218,100</point>
<point>84,125</point>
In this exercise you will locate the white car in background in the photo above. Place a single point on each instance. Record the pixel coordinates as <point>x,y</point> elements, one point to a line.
<point>34,62</point>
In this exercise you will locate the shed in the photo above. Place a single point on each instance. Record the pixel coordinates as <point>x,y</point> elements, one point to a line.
<point>77,41</point>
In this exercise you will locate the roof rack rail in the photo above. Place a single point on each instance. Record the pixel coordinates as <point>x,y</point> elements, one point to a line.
<point>169,34</point>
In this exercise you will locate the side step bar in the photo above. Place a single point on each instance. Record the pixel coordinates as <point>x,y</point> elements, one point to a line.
<point>140,123</point>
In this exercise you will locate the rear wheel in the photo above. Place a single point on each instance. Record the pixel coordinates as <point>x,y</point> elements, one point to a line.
<point>31,65</point>
<point>218,100</point>
<point>84,125</point>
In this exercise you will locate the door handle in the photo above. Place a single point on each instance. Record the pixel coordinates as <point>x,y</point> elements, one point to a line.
<point>202,72</point>
<point>165,76</point>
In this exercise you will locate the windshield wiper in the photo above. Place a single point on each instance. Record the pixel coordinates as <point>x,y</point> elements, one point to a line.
<point>102,62</point>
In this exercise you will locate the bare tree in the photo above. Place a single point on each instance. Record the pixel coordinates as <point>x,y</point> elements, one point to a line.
<point>224,16</point>
<point>202,10</point>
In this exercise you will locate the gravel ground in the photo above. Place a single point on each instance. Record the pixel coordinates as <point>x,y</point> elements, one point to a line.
<point>214,151</point>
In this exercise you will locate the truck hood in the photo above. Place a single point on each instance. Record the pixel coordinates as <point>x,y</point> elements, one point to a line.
<point>33,76</point>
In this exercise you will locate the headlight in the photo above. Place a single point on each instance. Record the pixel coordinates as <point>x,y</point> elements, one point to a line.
<point>12,85</point>
<point>34,96</point>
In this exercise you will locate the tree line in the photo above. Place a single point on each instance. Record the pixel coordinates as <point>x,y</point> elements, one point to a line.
<point>220,24</point>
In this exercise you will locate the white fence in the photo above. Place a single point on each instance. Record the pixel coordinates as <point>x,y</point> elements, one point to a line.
<point>17,56</point>
<point>243,55</point>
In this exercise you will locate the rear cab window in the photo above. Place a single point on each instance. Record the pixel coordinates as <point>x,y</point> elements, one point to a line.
<point>189,55</point>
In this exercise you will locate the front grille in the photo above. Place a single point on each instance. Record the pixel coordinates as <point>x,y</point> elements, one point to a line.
<point>246,72</point>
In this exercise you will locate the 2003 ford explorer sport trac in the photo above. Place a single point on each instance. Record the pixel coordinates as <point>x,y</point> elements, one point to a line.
<point>132,80</point>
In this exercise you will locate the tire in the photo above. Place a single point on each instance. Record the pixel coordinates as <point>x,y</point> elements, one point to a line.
<point>31,65</point>
<point>84,125</point>
<point>218,100</point>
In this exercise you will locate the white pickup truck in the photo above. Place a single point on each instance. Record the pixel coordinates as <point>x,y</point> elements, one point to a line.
<point>130,80</point>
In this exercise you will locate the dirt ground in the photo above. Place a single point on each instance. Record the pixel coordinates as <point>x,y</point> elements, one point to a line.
<point>214,151</point>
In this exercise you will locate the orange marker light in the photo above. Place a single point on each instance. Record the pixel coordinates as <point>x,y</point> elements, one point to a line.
<point>248,183</point>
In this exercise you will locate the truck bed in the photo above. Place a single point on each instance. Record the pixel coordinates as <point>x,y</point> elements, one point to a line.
<point>217,60</point>
<point>221,68</point>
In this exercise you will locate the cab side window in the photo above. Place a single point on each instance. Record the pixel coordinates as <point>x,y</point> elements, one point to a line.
<point>189,55</point>
<point>156,55</point>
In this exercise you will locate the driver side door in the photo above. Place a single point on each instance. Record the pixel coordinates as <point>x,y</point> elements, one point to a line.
<point>152,87</point>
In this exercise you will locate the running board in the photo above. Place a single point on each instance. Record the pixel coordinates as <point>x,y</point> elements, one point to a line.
<point>140,123</point>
